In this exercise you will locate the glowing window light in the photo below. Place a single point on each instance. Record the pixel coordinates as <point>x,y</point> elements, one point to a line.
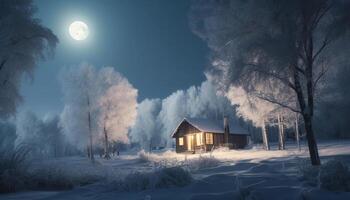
<point>181,141</point>
<point>209,138</point>
<point>199,139</point>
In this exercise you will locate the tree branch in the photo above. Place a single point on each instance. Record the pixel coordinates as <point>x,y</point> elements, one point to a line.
<point>320,15</point>
<point>302,71</point>
<point>273,101</point>
<point>325,42</point>
<point>320,75</point>
<point>14,42</point>
<point>273,75</point>
<point>2,64</point>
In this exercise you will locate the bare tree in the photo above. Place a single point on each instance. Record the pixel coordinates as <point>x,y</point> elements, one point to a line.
<point>289,46</point>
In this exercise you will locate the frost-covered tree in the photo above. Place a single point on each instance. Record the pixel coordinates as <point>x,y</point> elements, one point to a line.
<point>98,104</point>
<point>53,136</point>
<point>28,131</point>
<point>79,113</point>
<point>197,101</point>
<point>7,135</point>
<point>23,41</point>
<point>262,113</point>
<point>146,131</point>
<point>286,42</point>
<point>43,137</point>
<point>116,105</point>
<point>157,118</point>
<point>252,109</point>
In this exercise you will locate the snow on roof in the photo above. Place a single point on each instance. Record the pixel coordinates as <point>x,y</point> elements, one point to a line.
<point>213,126</point>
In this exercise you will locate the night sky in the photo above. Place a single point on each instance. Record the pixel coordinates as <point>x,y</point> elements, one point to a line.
<point>149,42</point>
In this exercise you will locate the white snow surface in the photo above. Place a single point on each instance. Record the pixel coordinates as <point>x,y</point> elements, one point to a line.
<point>252,173</point>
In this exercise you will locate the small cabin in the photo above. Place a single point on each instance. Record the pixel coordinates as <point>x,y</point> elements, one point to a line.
<point>195,135</point>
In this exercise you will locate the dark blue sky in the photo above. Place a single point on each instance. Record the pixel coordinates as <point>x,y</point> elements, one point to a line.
<point>148,41</point>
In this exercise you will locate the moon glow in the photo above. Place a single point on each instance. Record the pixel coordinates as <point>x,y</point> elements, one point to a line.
<point>78,30</point>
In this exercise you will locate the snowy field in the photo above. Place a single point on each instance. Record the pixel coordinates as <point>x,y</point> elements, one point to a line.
<point>235,174</point>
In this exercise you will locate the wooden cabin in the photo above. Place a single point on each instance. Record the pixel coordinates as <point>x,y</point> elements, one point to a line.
<point>194,135</point>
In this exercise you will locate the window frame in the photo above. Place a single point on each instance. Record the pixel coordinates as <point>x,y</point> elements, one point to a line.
<point>199,139</point>
<point>181,141</point>
<point>209,138</point>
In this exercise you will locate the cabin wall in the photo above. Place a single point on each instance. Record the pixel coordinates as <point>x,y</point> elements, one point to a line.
<point>238,141</point>
<point>186,130</point>
<point>218,139</point>
<point>183,131</point>
<point>235,141</point>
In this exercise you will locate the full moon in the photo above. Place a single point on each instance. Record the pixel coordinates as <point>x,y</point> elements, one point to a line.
<point>79,30</point>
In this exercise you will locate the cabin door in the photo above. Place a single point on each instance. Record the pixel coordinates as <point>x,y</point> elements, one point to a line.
<point>190,142</point>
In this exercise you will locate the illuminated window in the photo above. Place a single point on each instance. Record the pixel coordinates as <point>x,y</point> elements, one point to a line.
<point>181,141</point>
<point>209,138</point>
<point>199,138</point>
<point>190,139</point>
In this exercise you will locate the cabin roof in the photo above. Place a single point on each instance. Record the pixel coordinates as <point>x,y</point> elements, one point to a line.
<point>213,126</point>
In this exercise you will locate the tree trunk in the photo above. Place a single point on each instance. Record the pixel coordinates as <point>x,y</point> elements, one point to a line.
<point>265,137</point>
<point>90,134</point>
<point>283,134</point>
<point>313,150</point>
<point>308,110</point>
<point>307,116</point>
<point>279,133</point>
<point>91,152</point>
<point>281,137</point>
<point>106,156</point>
<point>297,136</point>
<point>88,151</point>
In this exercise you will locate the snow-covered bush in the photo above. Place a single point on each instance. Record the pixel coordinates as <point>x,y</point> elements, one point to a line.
<point>49,178</point>
<point>159,178</point>
<point>158,160</point>
<point>16,174</point>
<point>168,162</point>
<point>57,178</point>
<point>173,176</point>
<point>221,149</point>
<point>335,176</point>
<point>307,172</point>
<point>13,169</point>
<point>203,162</point>
<point>143,156</point>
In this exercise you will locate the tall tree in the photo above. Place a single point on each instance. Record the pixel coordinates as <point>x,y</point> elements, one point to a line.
<point>116,104</point>
<point>53,136</point>
<point>253,109</point>
<point>79,113</point>
<point>23,41</point>
<point>287,43</point>
<point>146,127</point>
<point>99,104</point>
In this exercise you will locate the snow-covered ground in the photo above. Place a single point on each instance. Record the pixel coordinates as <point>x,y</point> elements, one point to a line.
<point>252,173</point>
